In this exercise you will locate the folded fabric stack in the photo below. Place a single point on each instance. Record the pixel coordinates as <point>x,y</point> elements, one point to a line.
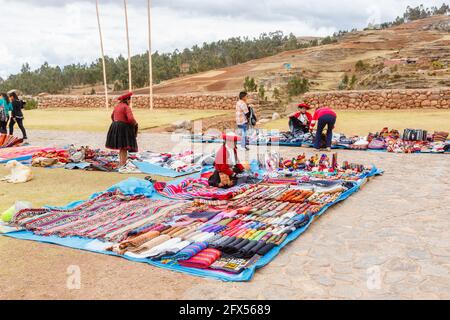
<point>93,159</point>
<point>50,158</point>
<point>7,141</point>
<point>186,161</point>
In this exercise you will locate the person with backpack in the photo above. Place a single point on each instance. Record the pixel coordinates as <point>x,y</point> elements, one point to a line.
<point>17,115</point>
<point>242,118</point>
<point>5,109</point>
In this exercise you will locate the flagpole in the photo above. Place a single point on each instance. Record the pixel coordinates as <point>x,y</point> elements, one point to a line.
<point>128,44</point>
<point>150,62</point>
<point>103,56</point>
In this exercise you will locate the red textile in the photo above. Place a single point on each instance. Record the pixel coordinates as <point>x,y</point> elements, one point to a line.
<point>203,260</point>
<point>222,163</point>
<point>122,112</point>
<point>308,115</point>
<point>320,113</point>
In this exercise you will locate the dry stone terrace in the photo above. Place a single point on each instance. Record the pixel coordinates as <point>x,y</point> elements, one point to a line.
<point>381,99</point>
<point>364,100</point>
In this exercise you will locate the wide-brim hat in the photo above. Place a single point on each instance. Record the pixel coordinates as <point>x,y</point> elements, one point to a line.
<point>231,137</point>
<point>304,105</point>
<point>125,96</point>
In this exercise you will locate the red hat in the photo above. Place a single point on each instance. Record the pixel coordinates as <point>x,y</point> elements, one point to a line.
<point>231,137</point>
<point>304,105</point>
<point>125,96</point>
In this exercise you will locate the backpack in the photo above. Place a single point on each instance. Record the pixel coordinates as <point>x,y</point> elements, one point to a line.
<point>251,116</point>
<point>3,115</point>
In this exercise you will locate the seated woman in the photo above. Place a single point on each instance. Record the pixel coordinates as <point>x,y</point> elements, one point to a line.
<point>227,164</point>
<point>299,121</point>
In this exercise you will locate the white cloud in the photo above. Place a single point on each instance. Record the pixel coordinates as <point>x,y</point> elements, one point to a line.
<point>63,32</point>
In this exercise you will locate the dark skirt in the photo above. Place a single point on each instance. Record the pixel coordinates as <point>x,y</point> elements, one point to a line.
<point>122,136</point>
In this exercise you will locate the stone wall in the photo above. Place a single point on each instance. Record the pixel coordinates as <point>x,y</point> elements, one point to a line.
<point>214,102</point>
<point>381,99</point>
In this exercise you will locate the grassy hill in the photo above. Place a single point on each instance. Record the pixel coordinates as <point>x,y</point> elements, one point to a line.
<point>411,55</point>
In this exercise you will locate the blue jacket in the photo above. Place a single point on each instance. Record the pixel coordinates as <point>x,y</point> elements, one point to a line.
<point>6,105</point>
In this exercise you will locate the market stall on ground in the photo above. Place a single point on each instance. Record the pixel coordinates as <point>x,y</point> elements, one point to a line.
<point>411,141</point>
<point>190,227</point>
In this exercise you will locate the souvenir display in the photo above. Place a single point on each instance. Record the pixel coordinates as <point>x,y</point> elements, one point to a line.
<point>223,231</point>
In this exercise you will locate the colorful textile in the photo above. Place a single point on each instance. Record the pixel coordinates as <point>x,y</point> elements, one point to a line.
<point>21,153</point>
<point>7,141</point>
<point>109,216</point>
<point>202,260</point>
<point>190,251</point>
<point>190,189</point>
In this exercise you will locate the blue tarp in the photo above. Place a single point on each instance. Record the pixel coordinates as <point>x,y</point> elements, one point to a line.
<point>149,168</point>
<point>139,186</point>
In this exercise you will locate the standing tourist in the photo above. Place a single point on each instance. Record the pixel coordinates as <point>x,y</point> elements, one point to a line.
<point>123,131</point>
<point>242,114</point>
<point>16,115</point>
<point>324,117</point>
<point>5,109</point>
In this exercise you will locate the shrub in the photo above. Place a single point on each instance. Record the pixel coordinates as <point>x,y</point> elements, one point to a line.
<point>31,104</point>
<point>297,86</point>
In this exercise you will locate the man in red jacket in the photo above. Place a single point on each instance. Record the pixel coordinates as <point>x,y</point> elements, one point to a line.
<point>227,163</point>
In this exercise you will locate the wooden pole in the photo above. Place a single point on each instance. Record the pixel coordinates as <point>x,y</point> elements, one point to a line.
<point>103,57</point>
<point>128,44</point>
<point>150,63</point>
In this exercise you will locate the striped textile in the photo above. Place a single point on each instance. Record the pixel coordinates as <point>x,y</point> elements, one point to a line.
<point>110,216</point>
<point>190,251</point>
<point>190,189</point>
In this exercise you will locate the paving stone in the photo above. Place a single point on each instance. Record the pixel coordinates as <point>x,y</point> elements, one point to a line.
<point>430,269</point>
<point>394,277</point>
<point>398,264</point>
<point>346,292</point>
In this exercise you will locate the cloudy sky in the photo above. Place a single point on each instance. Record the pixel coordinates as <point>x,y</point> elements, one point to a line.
<point>65,31</point>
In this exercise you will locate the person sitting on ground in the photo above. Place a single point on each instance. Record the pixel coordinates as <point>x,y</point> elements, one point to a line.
<point>242,116</point>
<point>324,117</point>
<point>299,121</point>
<point>123,131</point>
<point>16,115</point>
<point>227,165</point>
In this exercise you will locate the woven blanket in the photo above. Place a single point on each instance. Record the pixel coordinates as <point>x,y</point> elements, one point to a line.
<point>110,216</point>
<point>199,189</point>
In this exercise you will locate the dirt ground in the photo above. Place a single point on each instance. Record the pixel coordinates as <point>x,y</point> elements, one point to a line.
<point>388,241</point>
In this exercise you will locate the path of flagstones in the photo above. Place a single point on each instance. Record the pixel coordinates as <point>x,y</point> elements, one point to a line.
<point>390,240</point>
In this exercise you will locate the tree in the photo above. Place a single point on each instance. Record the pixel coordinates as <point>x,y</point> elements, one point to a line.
<point>297,86</point>
<point>250,85</point>
<point>261,92</point>
<point>276,95</point>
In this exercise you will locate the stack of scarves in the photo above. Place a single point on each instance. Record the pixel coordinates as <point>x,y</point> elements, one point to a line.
<point>61,156</point>
<point>7,141</point>
<point>202,260</point>
<point>190,251</point>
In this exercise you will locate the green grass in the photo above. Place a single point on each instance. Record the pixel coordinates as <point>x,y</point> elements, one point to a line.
<point>352,122</point>
<point>99,120</point>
